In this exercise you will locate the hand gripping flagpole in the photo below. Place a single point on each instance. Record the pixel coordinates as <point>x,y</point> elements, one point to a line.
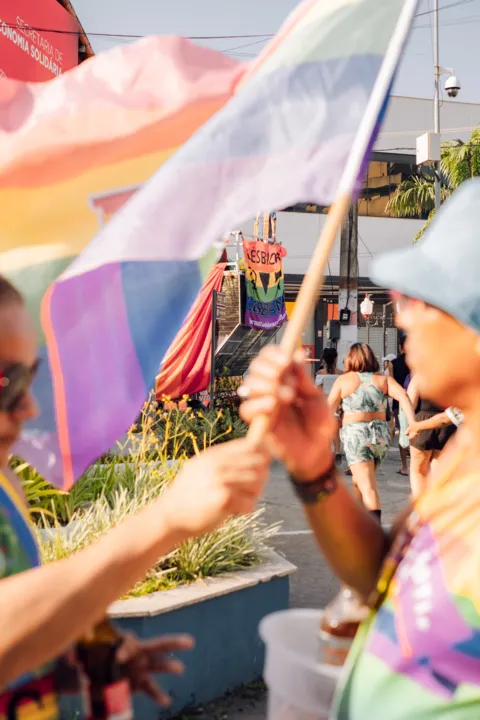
<point>314,278</point>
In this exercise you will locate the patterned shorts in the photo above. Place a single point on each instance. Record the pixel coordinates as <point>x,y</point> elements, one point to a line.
<point>364,441</point>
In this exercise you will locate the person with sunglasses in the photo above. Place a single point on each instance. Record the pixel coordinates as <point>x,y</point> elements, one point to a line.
<point>417,657</point>
<point>44,610</point>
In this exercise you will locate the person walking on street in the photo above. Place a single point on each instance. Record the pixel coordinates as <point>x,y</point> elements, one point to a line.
<point>400,371</point>
<point>325,379</point>
<point>426,445</point>
<point>329,372</point>
<point>363,393</point>
<point>417,656</point>
<point>388,372</point>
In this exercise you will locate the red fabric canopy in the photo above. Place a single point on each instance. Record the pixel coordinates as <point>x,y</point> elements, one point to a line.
<point>186,368</point>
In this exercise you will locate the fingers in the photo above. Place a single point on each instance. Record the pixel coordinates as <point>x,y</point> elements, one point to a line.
<point>242,504</point>
<point>267,405</point>
<point>128,649</point>
<point>150,688</point>
<point>282,388</point>
<point>169,643</point>
<point>167,666</point>
<point>268,370</point>
<point>306,387</point>
<point>275,373</point>
<point>272,361</point>
<point>240,453</point>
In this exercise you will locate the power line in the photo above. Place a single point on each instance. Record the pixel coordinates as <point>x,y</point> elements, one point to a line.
<point>445,7</point>
<point>129,35</point>
<point>468,20</point>
<point>132,36</point>
<point>364,243</point>
<point>240,47</point>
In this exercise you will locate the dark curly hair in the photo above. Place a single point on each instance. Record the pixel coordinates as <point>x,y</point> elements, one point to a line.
<point>330,356</point>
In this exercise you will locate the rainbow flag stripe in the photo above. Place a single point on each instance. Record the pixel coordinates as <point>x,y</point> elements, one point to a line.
<point>166,162</point>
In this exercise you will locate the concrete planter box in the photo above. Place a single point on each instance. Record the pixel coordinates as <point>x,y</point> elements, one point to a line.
<point>223,615</point>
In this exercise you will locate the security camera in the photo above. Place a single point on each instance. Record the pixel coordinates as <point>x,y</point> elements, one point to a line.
<point>452,86</point>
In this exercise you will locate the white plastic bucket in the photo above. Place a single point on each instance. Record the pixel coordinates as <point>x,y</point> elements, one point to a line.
<point>300,686</point>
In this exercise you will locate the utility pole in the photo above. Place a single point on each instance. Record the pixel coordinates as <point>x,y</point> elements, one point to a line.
<point>384,326</point>
<point>436,98</point>
<point>429,145</point>
<point>348,284</point>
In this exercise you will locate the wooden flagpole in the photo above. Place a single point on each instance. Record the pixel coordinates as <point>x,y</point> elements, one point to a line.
<point>305,303</point>
<point>314,278</point>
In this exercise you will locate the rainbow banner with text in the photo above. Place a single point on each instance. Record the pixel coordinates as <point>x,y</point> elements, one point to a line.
<point>265,291</point>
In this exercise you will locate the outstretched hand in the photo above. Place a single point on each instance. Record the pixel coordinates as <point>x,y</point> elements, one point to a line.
<point>143,659</point>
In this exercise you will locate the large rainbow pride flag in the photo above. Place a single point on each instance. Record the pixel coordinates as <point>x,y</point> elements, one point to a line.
<point>117,178</point>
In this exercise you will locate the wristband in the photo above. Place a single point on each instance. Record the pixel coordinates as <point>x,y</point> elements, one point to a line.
<point>316,490</point>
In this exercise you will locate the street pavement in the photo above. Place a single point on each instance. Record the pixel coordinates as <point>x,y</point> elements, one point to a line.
<point>313,585</point>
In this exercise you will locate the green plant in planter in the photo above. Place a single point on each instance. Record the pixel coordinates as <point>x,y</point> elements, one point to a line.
<point>122,483</point>
<point>239,543</point>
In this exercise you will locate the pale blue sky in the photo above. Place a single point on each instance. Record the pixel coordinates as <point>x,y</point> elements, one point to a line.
<point>459,32</point>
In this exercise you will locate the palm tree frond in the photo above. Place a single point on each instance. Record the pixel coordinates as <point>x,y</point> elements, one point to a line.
<point>415,197</point>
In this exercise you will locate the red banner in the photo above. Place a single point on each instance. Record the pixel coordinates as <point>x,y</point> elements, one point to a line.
<point>186,367</point>
<point>38,39</point>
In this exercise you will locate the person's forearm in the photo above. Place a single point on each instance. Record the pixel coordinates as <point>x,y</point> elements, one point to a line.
<point>43,611</point>
<point>437,421</point>
<point>351,540</point>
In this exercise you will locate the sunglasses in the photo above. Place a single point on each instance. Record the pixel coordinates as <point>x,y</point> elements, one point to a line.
<point>15,381</point>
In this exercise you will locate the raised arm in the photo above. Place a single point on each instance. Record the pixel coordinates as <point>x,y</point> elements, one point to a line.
<point>43,611</point>
<point>396,392</point>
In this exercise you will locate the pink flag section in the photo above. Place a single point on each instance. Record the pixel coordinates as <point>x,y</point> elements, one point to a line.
<point>149,96</point>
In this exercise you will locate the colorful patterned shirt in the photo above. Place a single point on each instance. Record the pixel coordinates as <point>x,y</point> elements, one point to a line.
<point>418,657</point>
<point>31,696</point>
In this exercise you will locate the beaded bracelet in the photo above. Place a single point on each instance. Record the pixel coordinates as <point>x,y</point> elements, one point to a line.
<point>316,490</point>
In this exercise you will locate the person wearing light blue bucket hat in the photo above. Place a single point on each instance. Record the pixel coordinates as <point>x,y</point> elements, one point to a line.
<point>422,652</point>
<point>417,657</point>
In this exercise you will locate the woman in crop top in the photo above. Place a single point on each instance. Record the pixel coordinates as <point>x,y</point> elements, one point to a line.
<point>363,393</point>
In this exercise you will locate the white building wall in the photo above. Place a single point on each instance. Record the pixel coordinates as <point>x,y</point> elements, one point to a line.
<point>407,118</point>
<point>299,233</point>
